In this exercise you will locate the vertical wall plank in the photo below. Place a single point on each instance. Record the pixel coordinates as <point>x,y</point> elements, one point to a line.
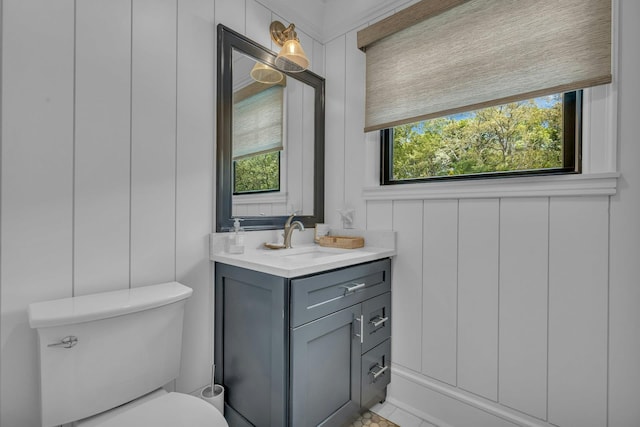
<point>407,285</point>
<point>478,297</point>
<point>102,148</point>
<point>153,144</point>
<point>354,133</point>
<point>36,187</point>
<point>379,215</point>
<point>440,290</point>
<point>334,174</point>
<point>624,270</point>
<point>258,19</point>
<point>317,65</point>
<point>524,266</point>
<point>231,13</point>
<point>194,191</point>
<point>307,44</point>
<point>578,287</point>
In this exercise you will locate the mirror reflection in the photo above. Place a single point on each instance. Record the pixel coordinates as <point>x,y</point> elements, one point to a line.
<point>270,138</point>
<point>272,141</point>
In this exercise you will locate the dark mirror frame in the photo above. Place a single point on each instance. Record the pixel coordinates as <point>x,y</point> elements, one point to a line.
<point>228,41</point>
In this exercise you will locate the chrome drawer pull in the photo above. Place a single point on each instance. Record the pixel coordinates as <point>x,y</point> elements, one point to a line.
<point>66,342</point>
<point>378,320</point>
<point>381,370</point>
<point>353,287</point>
<point>361,334</point>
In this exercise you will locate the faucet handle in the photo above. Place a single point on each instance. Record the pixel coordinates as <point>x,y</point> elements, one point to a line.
<point>287,223</point>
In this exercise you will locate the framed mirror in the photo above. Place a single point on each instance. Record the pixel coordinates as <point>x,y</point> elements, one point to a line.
<point>270,138</point>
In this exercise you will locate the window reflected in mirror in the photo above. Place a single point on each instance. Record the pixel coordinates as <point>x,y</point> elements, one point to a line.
<point>258,135</point>
<point>257,174</point>
<point>272,141</point>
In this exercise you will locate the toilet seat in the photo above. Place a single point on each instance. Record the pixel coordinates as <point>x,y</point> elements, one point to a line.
<point>169,410</point>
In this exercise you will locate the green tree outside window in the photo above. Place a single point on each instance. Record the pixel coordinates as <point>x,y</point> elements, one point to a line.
<point>519,136</point>
<point>259,173</point>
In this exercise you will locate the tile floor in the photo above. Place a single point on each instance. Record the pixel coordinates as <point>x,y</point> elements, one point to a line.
<point>369,419</point>
<point>399,416</point>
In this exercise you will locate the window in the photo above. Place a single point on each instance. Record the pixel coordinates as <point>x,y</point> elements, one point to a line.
<point>257,174</point>
<point>536,136</point>
<point>257,138</point>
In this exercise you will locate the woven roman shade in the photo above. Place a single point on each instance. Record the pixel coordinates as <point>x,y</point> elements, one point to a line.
<point>443,57</point>
<point>257,120</point>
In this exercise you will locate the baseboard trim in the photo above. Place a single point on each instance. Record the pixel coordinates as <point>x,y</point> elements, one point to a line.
<point>418,413</point>
<point>402,399</point>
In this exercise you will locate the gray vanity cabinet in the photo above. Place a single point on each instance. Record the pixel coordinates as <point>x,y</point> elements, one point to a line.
<point>304,351</point>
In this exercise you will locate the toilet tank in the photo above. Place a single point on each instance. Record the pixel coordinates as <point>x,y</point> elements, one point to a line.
<point>119,346</point>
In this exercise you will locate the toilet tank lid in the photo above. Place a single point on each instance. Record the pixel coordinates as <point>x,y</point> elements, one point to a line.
<point>68,311</point>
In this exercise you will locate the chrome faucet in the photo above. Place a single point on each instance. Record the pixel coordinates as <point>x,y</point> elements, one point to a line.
<point>289,226</point>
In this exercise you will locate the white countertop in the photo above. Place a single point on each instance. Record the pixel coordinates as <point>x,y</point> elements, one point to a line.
<point>305,257</point>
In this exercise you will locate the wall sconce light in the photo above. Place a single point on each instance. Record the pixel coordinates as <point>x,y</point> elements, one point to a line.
<point>264,74</point>
<point>291,57</point>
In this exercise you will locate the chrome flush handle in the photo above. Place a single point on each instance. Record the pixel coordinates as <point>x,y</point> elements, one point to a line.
<point>66,342</point>
<point>378,320</point>
<point>378,370</point>
<point>360,319</point>
<point>352,287</point>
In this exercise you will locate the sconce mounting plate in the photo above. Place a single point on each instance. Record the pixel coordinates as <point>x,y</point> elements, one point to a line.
<point>280,33</point>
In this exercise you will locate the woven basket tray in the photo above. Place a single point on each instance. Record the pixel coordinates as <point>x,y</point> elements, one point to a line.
<point>344,242</point>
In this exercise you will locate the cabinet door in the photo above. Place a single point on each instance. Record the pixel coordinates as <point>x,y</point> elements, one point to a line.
<point>325,370</point>
<point>252,345</point>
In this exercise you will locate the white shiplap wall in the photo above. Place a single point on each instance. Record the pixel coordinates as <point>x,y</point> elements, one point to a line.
<point>505,302</point>
<point>108,136</point>
<point>505,308</point>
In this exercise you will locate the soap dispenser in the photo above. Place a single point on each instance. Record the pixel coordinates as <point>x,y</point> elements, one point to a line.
<point>236,240</point>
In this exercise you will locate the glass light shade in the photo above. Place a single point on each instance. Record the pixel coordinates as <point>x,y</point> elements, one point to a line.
<point>292,58</point>
<point>264,74</point>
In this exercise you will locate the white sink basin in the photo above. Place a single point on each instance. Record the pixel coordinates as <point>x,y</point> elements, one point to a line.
<point>309,253</point>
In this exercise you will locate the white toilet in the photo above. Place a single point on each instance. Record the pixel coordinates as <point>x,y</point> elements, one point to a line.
<point>104,358</point>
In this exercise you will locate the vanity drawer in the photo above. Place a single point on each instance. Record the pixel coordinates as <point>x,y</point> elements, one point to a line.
<point>376,374</point>
<point>316,296</point>
<point>376,314</point>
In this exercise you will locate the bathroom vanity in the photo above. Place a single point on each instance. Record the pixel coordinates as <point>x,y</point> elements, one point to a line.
<point>303,349</point>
